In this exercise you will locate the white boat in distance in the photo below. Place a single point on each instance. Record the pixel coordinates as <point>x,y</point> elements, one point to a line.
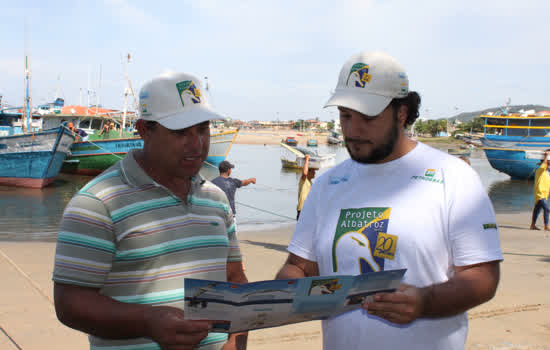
<point>294,157</point>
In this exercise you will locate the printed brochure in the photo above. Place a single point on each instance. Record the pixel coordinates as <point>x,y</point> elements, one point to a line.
<point>274,303</point>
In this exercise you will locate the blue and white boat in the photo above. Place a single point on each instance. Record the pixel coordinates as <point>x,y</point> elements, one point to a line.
<point>30,156</point>
<point>33,158</point>
<point>512,142</point>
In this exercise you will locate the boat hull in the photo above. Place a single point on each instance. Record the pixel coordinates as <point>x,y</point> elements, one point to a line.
<point>509,139</point>
<point>508,154</point>
<point>33,160</point>
<point>93,157</point>
<point>288,164</point>
<point>512,162</point>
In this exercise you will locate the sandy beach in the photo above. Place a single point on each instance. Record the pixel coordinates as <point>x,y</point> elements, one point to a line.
<point>517,318</point>
<point>274,137</point>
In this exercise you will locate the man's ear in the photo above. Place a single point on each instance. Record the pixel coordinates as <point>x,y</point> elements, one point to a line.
<point>402,115</point>
<point>142,129</point>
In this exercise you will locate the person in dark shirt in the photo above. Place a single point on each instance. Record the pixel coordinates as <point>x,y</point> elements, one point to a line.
<point>228,184</point>
<point>80,135</point>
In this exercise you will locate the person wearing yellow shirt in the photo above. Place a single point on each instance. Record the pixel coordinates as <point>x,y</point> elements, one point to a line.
<point>542,189</point>
<point>305,185</point>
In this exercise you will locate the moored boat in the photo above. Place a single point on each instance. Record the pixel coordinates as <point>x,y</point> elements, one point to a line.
<point>32,159</point>
<point>291,141</point>
<point>101,149</point>
<point>312,143</point>
<point>294,157</point>
<point>459,152</point>
<point>29,155</point>
<point>334,138</point>
<point>508,139</point>
<point>98,153</point>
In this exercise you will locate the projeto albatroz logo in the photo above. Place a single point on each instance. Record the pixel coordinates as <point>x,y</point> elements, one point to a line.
<point>189,92</point>
<point>359,73</point>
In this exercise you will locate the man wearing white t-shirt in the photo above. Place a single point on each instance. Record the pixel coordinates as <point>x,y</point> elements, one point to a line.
<point>397,203</point>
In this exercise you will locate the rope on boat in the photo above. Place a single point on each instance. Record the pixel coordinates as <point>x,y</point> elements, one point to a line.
<point>98,146</point>
<point>266,211</point>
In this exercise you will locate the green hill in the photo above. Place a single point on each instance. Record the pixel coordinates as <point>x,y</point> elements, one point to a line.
<point>466,117</point>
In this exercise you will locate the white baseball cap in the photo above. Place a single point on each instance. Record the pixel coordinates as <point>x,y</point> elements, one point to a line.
<point>175,100</point>
<point>368,82</point>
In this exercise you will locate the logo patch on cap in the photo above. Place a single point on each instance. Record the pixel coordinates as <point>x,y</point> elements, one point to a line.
<point>189,92</point>
<point>360,73</point>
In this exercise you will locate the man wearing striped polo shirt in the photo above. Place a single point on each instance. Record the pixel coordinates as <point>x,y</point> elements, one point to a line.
<point>130,236</point>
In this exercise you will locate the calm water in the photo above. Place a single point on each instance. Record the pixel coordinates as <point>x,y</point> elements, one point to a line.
<point>29,214</point>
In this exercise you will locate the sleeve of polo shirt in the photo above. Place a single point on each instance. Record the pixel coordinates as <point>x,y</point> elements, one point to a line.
<point>234,254</point>
<point>85,243</point>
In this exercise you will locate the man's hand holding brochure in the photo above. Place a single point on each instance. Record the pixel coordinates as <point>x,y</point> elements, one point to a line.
<point>279,302</point>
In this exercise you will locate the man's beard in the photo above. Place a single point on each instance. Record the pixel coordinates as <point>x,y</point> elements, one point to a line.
<point>381,152</point>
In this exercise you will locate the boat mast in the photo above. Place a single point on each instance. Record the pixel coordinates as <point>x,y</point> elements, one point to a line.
<point>98,92</point>
<point>26,112</point>
<point>127,91</point>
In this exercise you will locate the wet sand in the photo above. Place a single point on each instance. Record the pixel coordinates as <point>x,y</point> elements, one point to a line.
<point>517,318</point>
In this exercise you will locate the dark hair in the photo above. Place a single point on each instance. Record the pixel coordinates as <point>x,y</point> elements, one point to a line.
<point>150,124</point>
<point>412,101</point>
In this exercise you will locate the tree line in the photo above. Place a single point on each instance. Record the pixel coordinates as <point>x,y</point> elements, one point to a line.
<point>433,127</point>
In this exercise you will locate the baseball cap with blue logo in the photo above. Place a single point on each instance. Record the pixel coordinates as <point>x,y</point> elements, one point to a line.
<point>175,100</point>
<point>368,82</point>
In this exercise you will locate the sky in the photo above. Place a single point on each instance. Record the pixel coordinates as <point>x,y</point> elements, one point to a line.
<point>277,60</point>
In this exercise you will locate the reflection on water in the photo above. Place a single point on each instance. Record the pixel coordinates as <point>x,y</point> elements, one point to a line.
<point>32,214</point>
<point>510,196</point>
<point>29,214</point>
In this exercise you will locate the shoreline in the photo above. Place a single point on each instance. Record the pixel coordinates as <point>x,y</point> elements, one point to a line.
<point>274,137</point>
<point>517,318</point>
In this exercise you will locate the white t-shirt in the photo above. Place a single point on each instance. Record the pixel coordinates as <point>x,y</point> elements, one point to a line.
<point>426,211</point>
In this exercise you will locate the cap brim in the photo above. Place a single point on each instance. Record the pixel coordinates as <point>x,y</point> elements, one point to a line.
<point>365,103</point>
<point>194,116</point>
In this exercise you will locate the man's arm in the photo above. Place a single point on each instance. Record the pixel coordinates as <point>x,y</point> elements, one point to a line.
<point>544,164</point>
<point>470,286</point>
<point>87,310</point>
<point>305,169</point>
<point>252,180</point>
<point>297,267</point>
<point>235,273</point>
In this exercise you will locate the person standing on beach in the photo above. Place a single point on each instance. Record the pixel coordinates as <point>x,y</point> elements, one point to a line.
<point>542,189</point>
<point>229,184</point>
<point>397,203</point>
<point>304,186</point>
<point>131,235</point>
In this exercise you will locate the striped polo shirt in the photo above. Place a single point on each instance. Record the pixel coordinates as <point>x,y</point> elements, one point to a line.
<point>136,241</point>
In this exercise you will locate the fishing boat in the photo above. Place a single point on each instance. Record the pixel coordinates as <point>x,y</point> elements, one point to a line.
<point>459,152</point>
<point>100,151</point>
<point>33,159</point>
<point>334,138</point>
<point>312,143</point>
<point>30,156</point>
<point>294,157</point>
<point>291,141</point>
<point>472,139</point>
<point>509,140</point>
